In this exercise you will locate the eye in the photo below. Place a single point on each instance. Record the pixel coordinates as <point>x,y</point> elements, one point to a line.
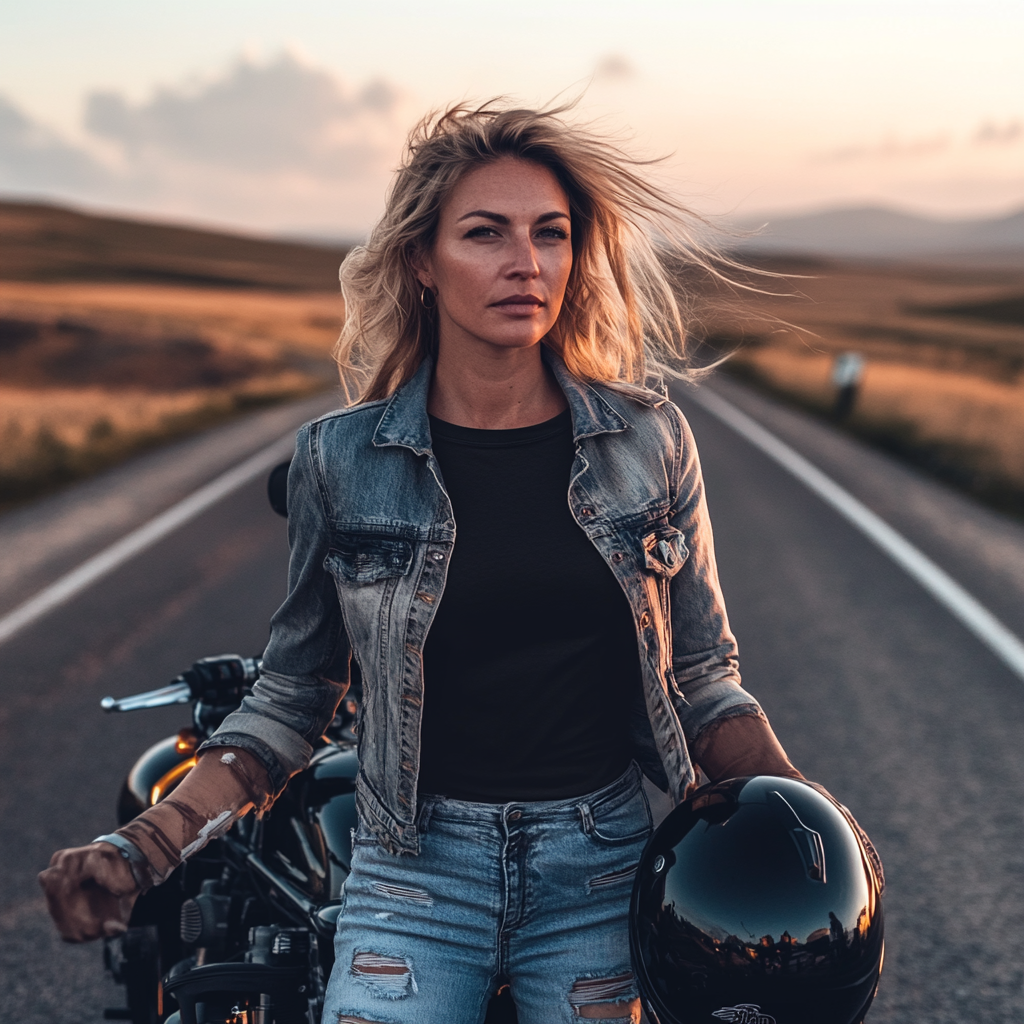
<point>481,231</point>
<point>553,231</point>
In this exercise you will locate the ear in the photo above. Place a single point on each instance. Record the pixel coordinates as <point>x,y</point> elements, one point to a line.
<point>419,260</point>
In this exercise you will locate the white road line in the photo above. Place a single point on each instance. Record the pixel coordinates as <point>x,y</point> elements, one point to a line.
<point>106,561</point>
<point>977,618</point>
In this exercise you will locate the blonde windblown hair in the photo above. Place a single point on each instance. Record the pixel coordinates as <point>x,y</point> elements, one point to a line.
<point>621,320</point>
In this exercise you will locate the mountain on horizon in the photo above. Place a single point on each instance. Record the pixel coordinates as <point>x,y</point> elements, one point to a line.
<point>879,232</point>
<point>42,241</point>
<point>52,241</point>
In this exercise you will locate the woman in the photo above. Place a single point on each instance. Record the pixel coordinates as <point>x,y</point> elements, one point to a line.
<point>509,533</point>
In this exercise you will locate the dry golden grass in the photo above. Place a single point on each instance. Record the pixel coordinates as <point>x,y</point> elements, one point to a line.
<point>943,407</point>
<point>263,322</point>
<point>938,385</point>
<point>92,372</point>
<point>41,242</point>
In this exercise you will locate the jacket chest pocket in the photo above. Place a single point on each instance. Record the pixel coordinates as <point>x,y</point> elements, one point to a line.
<point>665,551</point>
<point>362,558</point>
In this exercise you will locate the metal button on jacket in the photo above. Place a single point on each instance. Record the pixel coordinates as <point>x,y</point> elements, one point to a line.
<point>668,556</point>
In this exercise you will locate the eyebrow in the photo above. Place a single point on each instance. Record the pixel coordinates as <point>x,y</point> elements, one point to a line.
<point>500,218</point>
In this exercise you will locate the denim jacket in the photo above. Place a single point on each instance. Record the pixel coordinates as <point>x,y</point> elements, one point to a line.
<point>371,532</point>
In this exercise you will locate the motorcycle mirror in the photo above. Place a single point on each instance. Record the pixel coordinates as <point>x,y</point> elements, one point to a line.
<point>277,488</point>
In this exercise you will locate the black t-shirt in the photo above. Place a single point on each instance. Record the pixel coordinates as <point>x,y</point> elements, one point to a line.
<point>532,655</point>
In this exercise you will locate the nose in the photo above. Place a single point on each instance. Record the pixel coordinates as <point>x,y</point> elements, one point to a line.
<point>523,263</point>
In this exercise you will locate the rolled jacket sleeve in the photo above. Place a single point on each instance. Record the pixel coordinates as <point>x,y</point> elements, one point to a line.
<point>704,654</point>
<point>305,670</point>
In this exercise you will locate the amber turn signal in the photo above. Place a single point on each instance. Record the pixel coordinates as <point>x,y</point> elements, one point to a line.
<point>186,742</point>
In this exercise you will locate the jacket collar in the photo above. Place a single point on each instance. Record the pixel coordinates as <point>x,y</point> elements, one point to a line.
<point>591,411</point>
<point>405,421</point>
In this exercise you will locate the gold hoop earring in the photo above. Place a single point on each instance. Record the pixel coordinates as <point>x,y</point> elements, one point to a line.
<point>423,298</point>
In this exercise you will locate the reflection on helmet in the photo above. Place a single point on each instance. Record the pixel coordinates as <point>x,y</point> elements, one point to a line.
<point>756,903</point>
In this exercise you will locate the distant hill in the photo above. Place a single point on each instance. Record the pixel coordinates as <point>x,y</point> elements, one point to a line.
<point>876,232</point>
<point>40,242</point>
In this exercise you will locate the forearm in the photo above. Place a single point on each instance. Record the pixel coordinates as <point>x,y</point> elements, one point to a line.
<point>282,719</point>
<point>743,744</point>
<point>223,787</point>
<point>746,745</point>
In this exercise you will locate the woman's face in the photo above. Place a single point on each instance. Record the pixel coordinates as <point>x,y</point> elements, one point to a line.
<point>501,257</point>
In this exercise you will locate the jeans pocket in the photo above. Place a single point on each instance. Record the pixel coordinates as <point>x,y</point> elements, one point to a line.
<point>618,824</point>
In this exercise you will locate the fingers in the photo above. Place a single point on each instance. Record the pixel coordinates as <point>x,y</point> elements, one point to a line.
<point>869,847</point>
<point>90,892</point>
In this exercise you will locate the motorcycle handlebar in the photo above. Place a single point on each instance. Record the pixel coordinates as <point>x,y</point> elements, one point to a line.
<point>208,679</point>
<point>176,693</point>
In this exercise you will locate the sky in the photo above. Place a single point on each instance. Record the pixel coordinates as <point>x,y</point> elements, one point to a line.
<point>290,117</point>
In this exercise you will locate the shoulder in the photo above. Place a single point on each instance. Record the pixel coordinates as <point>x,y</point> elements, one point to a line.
<point>353,422</point>
<point>330,451</point>
<point>337,438</point>
<point>648,412</point>
<point>350,416</point>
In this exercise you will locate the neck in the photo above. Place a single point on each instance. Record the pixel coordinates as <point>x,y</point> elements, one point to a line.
<point>493,388</point>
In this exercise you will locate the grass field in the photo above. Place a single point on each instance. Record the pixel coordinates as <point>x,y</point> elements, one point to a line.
<point>943,346</point>
<point>90,373</point>
<point>116,335</point>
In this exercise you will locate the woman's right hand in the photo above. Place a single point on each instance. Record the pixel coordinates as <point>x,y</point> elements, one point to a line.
<point>90,891</point>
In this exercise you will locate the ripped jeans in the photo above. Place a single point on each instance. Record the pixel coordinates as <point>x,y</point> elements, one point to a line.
<point>535,895</point>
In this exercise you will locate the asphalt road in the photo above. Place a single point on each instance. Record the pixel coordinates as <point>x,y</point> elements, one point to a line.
<point>874,688</point>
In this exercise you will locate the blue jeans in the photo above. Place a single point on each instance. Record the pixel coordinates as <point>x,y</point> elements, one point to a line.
<point>532,894</point>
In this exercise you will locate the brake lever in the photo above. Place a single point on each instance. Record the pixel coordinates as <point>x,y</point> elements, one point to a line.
<point>176,693</point>
<point>206,677</point>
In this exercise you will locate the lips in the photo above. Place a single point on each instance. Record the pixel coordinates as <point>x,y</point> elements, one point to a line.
<point>521,305</point>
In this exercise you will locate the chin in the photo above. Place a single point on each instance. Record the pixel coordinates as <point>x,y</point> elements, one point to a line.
<point>515,342</point>
<point>506,333</point>
<point>520,335</point>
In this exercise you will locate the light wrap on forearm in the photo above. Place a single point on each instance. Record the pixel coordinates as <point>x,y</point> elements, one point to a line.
<point>223,786</point>
<point>740,745</point>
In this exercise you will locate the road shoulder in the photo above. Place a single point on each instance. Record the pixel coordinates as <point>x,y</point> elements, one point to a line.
<point>42,541</point>
<point>981,548</point>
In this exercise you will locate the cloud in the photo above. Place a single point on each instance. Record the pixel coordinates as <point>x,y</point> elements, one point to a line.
<point>888,149</point>
<point>614,68</point>
<point>280,145</point>
<point>34,160</point>
<point>282,116</point>
<point>989,133</point>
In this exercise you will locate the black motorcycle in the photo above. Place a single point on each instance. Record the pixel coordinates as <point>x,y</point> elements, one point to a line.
<point>242,932</point>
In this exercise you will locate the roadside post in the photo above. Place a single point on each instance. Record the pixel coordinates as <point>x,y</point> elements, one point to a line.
<point>847,371</point>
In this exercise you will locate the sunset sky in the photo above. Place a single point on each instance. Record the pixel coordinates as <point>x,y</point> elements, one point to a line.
<point>288,116</point>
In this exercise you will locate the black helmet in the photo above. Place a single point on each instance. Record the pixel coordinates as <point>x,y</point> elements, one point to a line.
<point>755,902</point>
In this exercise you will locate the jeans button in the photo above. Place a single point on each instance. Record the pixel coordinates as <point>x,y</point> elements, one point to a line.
<point>514,815</point>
